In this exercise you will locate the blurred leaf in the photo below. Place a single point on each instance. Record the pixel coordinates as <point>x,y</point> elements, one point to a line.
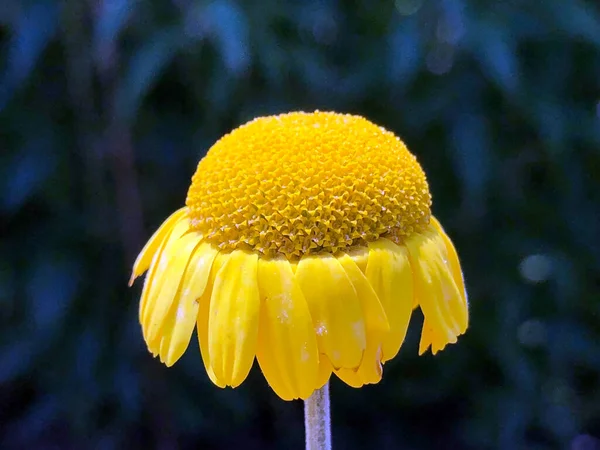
<point>578,19</point>
<point>36,420</point>
<point>551,123</point>
<point>112,16</point>
<point>471,155</point>
<point>86,360</point>
<point>35,27</point>
<point>16,359</point>
<point>27,173</point>
<point>144,70</point>
<point>127,389</point>
<point>226,25</point>
<point>495,51</point>
<point>51,288</point>
<point>405,52</point>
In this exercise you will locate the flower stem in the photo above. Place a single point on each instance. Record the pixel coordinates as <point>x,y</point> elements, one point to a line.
<point>317,420</point>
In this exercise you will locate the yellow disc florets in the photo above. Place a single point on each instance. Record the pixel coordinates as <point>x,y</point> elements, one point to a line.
<point>303,183</point>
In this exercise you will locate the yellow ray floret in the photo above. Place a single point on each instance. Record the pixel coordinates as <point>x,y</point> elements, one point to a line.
<point>306,243</point>
<point>288,353</point>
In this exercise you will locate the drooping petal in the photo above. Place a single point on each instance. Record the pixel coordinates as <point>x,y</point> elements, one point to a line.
<point>370,370</point>
<point>454,264</point>
<point>373,312</point>
<point>377,326</point>
<point>325,370</point>
<point>148,282</point>
<point>437,293</point>
<point>233,318</point>
<point>335,309</point>
<point>430,337</point>
<point>350,377</point>
<point>144,259</point>
<point>202,322</point>
<point>155,276</point>
<point>287,350</point>
<point>389,272</point>
<point>270,369</point>
<point>426,338</point>
<point>167,290</point>
<point>183,314</point>
<point>451,286</point>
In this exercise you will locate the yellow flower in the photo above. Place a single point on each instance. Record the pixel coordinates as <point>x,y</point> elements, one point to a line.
<point>306,241</point>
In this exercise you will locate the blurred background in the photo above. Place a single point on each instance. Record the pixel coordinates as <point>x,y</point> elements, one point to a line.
<point>106,106</point>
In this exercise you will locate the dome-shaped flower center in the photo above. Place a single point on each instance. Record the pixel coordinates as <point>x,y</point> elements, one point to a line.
<point>303,183</point>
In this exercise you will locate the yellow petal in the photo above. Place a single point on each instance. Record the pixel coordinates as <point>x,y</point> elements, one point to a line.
<point>334,308</point>
<point>373,312</point>
<point>452,292</point>
<point>389,272</point>
<point>233,318</point>
<point>163,295</point>
<point>350,377</point>
<point>287,351</point>
<point>148,283</point>
<point>183,314</point>
<point>325,370</point>
<point>269,367</point>
<point>429,337</point>
<point>370,370</point>
<point>203,313</point>
<point>426,338</point>
<point>440,300</point>
<point>454,264</point>
<point>143,260</point>
<point>155,276</point>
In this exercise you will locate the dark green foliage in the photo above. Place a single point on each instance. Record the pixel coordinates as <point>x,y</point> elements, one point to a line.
<point>105,109</point>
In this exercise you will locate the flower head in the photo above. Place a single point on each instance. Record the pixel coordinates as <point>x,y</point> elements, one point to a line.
<point>306,241</point>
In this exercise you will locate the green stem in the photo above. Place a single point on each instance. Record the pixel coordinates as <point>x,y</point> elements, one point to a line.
<point>317,420</point>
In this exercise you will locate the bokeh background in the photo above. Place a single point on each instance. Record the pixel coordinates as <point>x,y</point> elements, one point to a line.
<point>107,105</point>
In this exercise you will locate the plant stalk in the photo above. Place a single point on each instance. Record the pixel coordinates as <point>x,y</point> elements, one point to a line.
<point>317,420</point>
